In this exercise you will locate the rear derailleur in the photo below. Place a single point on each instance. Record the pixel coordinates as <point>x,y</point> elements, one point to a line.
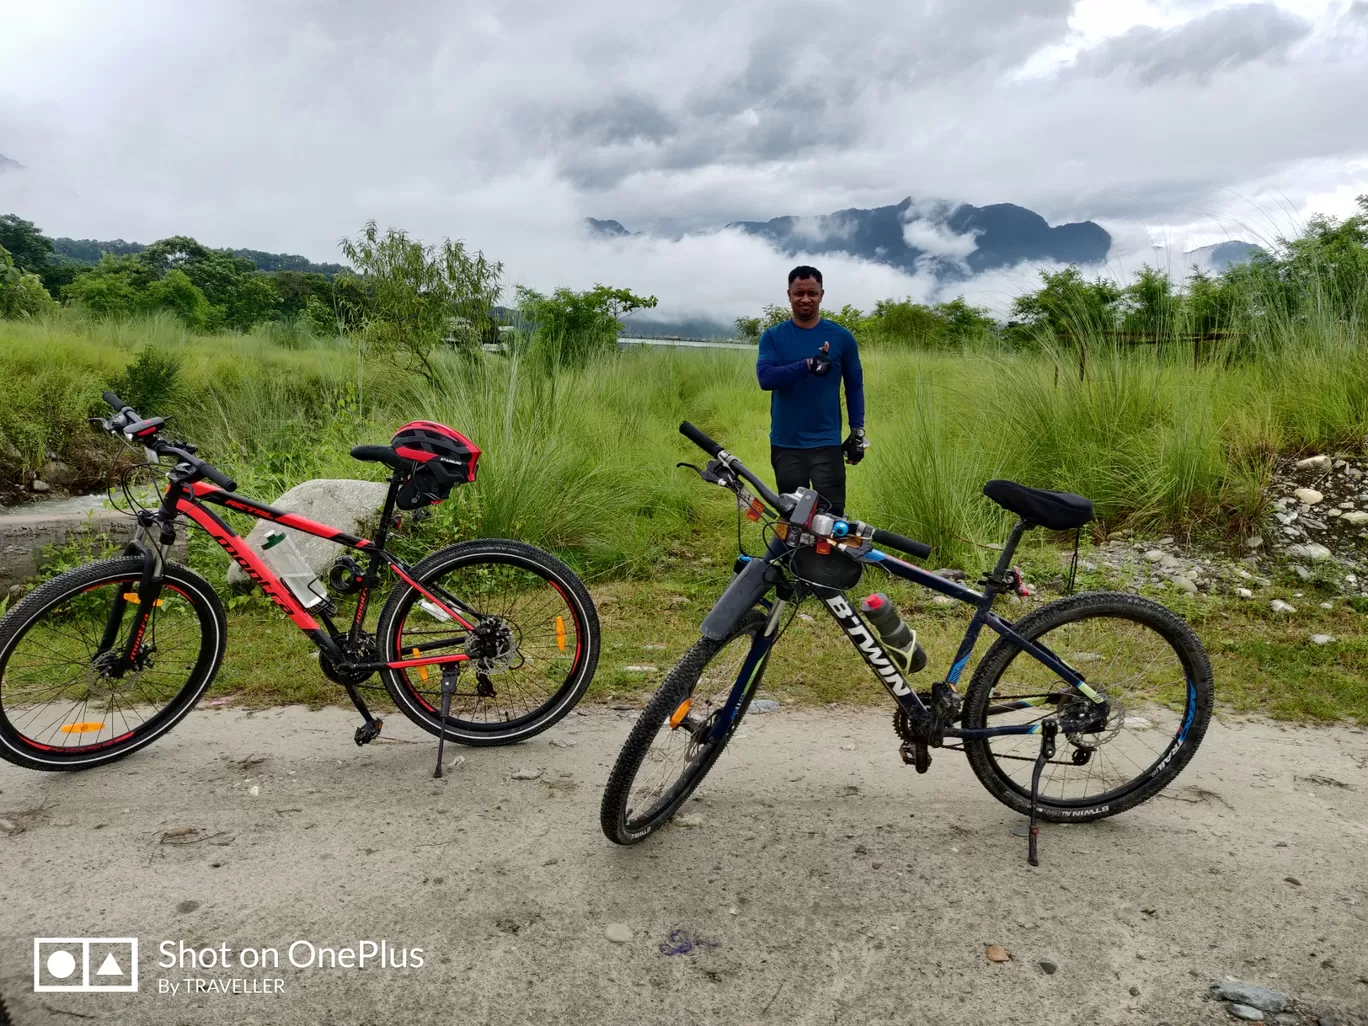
<point>944,705</point>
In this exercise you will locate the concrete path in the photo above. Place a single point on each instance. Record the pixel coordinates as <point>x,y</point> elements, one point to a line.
<point>827,883</point>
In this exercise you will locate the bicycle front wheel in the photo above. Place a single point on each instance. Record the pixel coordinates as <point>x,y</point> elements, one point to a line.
<point>668,752</point>
<point>64,704</point>
<point>533,649</point>
<point>1141,657</point>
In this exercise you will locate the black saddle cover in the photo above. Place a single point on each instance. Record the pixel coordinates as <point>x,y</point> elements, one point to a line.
<point>1057,511</point>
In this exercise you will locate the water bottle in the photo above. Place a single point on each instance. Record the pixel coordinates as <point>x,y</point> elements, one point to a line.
<point>286,563</point>
<point>899,641</point>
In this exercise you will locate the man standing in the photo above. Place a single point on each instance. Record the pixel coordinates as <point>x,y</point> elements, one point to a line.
<point>802,363</point>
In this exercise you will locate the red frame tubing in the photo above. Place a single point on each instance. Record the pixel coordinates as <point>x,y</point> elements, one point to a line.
<point>275,589</point>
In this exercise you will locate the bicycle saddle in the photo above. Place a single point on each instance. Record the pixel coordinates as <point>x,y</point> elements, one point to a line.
<point>1057,511</point>
<point>379,454</point>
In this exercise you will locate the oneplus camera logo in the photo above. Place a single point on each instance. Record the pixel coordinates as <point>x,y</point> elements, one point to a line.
<point>85,964</point>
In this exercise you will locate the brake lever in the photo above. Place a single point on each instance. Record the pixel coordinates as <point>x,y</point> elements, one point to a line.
<point>710,475</point>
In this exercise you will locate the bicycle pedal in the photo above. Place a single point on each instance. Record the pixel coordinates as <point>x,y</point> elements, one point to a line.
<point>916,755</point>
<point>367,732</point>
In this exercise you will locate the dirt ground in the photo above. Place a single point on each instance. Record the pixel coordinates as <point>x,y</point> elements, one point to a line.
<point>826,882</point>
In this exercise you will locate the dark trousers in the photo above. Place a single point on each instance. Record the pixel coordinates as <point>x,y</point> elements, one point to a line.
<point>822,468</point>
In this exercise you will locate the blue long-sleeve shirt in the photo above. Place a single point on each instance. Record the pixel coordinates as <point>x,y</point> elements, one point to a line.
<point>805,408</point>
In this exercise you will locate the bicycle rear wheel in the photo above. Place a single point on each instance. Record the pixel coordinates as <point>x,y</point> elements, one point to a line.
<point>533,651</point>
<point>62,706</point>
<point>667,755</point>
<point>1141,657</point>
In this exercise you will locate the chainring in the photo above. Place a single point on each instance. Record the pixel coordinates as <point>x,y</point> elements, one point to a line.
<point>363,652</point>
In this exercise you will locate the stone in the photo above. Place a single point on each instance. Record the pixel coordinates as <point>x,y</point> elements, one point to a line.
<point>8,826</point>
<point>1254,541</point>
<point>254,790</point>
<point>618,933</point>
<point>1244,593</point>
<point>39,485</point>
<point>1356,517</point>
<point>560,742</point>
<point>640,668</point>
<point>1279,606</point>
<point>1322,639</point>
<point>1314,463</point>
<point>1245,1012</point>
<point>690,820</point>
<point>763,705</point>
<point>1311,550</point>
<point>58,473</point>
<point>1301,572</point>
<point>525,774</point>
<point>1134,991</point>
<point>1327,605</point>
<point>1285,518</point>
<point>1260,998</point>
<point>1048,967</point>
<point>340,503</point>
<point>1184,584</point>
<point>1154,555</point>
<point>1309,496</point>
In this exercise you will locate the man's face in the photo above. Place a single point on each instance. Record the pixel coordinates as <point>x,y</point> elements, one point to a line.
<point>805,297</point>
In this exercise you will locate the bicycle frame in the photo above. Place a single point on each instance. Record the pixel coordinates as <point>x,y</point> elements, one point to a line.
<point>867,643</point>
<point>185,500</point>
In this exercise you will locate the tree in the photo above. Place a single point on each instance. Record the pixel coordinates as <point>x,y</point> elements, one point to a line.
<point>417,296</point>
<point>28,247</point>
<point>113,288</point>
<point>567,327</point>
<point>748,329</point>
<point>21,294</point>
<point>175,291</point>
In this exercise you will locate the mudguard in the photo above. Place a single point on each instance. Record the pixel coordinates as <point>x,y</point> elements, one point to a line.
<point>744,591</point>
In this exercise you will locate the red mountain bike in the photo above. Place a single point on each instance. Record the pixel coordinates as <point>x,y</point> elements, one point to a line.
<point>486,643</point>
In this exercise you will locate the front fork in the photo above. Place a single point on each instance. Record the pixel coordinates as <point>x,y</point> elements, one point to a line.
<point>752,670</point>
<point>145,599</point>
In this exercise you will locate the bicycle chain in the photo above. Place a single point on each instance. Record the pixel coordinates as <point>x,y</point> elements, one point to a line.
<point>907,730</point>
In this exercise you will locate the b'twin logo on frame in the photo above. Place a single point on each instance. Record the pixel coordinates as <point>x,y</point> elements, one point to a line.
<point>869,648</point>
<point>85,964</point>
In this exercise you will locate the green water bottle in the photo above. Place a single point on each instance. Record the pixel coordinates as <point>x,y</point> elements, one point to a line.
<point>899,640</point>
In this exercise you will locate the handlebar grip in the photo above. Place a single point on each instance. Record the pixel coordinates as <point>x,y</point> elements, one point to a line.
<point>218,477</point>
<point>913,548</point>
<point>117,404</point>
<point>699,439</point>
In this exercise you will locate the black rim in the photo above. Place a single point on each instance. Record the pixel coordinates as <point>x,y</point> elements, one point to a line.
<point>658,785</point>
<point>530,640</point>
<point>56,698</point>
<point>1145,676</point>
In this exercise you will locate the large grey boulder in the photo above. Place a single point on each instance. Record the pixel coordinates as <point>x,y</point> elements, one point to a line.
<point>342,504</point>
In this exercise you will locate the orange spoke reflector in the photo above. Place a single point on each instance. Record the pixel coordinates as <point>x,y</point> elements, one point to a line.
<point>560,633</point>
<point>755,511</point>
<point>132,596</point>
<point>82,728</point>
<point>678,716</point>
<point>422,670</point>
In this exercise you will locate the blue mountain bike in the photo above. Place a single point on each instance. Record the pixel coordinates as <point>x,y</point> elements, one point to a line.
<point>1084,708</point>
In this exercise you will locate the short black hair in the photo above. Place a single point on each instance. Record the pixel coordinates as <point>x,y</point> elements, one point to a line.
<point>804,271</point>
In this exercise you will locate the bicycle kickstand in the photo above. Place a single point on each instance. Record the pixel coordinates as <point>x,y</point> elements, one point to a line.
<point>1048,730</point>
<point>449,674</point>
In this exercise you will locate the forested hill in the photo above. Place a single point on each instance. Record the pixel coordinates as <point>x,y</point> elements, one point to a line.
<point>89,251</point>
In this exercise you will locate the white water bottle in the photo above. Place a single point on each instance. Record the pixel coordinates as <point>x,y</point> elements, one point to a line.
<point>285,561</point>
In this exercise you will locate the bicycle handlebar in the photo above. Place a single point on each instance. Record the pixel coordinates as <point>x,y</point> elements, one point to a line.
<point>913,548</point>
<point>207,469</point>
<point>115,403</point>
<point>714,450</point>
<point>126,415</point>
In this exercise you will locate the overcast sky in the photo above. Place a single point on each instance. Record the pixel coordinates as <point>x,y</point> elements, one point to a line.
<point>283,125</point>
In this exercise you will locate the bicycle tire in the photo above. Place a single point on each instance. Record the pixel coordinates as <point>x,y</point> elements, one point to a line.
<point>679,684</point>
<point>1166,765</point>
<point>413,702</point>
<point>21,750</point>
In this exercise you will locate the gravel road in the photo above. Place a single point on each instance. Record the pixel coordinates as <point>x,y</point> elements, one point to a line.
<point>824,883</point>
